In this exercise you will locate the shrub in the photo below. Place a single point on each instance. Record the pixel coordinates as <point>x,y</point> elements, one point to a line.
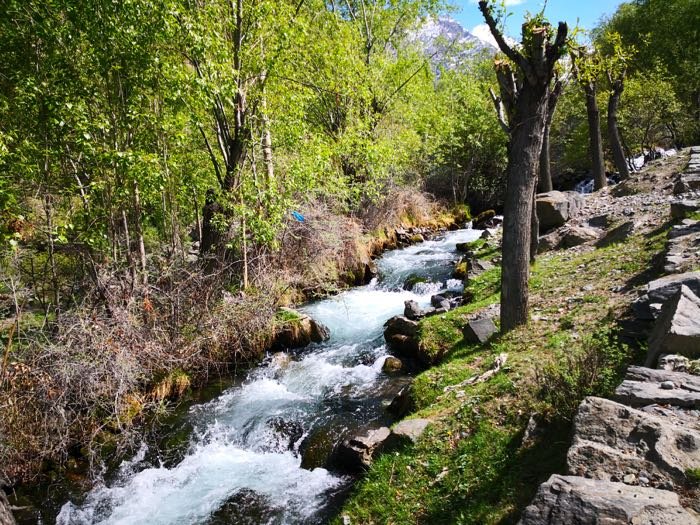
<point>594,368</point>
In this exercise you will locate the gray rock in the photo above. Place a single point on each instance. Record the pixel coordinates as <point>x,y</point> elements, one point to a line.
<point>479,330</point>
<point>674,363</point>
<point>551,241</point>
<point>440,301</point>
<point>682,249</point>
<point>642,387</point>
<point>402,402</point>
<point>410,429</point>
<point>357,453</point>
<point>6,517</point>
<point>612,440</point>
<point>476,267</point>
<point>567,500</point>
<point>577,235</point>
<point>661,290</point>
<point>556,208</point>
<point>412,310</point>
<point>677,331</point>
<point>599,221</point>
<point>681,209</point>
<point>400,324</point>
<point>617,234</point>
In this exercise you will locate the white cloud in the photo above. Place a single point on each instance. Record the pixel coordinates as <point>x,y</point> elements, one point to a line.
<point>482,32</point>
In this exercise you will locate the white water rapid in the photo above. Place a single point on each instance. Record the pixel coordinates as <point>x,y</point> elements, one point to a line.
<point>244,462</point>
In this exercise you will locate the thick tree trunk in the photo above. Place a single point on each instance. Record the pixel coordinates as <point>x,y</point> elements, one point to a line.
<point>614,132</point>
<point>522,171</point>
<point>595,139</point>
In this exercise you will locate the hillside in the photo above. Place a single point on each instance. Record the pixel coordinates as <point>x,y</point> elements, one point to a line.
<point>491,440</point>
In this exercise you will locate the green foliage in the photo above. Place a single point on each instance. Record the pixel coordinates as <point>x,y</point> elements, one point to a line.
<point>593,368</point>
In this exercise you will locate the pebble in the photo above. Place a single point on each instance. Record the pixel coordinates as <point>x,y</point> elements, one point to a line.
<point>629,479</point>
<point>668,385</point>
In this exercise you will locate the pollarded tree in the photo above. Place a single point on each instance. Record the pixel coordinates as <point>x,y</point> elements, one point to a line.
<point>534,64</point>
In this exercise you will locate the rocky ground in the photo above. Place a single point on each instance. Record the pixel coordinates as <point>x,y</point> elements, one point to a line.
<point>636,459</point>
<point>634,455</point>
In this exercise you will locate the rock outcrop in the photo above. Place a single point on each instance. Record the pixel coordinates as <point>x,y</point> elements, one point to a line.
<point>613,442</point>
<point>683,247</point>
<point>659,291</point>
<point>677,331</point>
<point>564,500</point>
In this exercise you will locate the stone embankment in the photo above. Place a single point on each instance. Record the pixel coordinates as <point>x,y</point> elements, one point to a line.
<point>636,458</point>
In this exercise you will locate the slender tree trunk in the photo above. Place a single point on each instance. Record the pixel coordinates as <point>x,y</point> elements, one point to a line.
<point>521,174</point>
<point>535,229</point>
<point>613,130</point>
<point>127,242</point>
<point>545,178</point>
<point>139,234</point>
<point>595,139</point>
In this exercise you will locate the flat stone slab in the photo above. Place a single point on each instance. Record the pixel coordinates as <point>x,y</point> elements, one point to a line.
<point>647,386</point>
<point>567,500</point>
<point>613,442</point>
<point>410,429</point>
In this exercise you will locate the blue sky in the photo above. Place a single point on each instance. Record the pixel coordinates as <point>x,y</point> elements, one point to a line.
<point>586,12</point>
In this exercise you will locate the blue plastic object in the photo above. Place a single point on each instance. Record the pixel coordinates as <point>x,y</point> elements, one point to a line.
<point>298,216</point>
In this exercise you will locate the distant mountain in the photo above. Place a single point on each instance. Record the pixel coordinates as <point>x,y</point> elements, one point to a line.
<point>449,43</point>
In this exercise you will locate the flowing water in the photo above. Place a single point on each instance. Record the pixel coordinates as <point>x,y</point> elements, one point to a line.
<point>244,461</point>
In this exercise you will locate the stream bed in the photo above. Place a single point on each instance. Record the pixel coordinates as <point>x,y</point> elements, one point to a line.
<point>250,458</point>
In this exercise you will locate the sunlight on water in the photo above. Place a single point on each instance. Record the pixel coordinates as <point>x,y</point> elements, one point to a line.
<point>248,439</point>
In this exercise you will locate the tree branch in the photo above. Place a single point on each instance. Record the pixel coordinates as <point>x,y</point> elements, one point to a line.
<point>511,53</point>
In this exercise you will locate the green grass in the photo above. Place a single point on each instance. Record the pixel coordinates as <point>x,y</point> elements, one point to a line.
<point>471,465</point>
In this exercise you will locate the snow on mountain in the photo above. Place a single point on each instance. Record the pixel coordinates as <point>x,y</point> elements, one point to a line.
<point>448,43</point>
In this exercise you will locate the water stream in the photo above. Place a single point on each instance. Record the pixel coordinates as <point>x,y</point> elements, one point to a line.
<point>244,460</point>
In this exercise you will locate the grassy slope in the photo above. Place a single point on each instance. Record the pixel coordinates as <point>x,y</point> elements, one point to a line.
<point>470,467</point>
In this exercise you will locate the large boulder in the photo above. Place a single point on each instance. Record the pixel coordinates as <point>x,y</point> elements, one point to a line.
<point>565,500</point>
<point>646,386</point>
<point>6,517</point>
<point>357,453</point>
<point>613,442</point>
<point>661,290</point>
<point>297,330</point>
<point>484,220</point>
<point>677,331</point>
<point>556,207</point>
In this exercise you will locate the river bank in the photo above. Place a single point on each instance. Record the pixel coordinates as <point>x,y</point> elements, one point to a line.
<point>403,238</point>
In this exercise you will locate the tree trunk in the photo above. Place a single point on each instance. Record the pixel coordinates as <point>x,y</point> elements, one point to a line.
<point>521,175</point>
<point>595,139</point>
<point>534,229</point>
<point>545,178</point>
<point>614,132</point>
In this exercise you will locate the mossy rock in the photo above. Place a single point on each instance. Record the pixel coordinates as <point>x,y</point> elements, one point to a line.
<point>413,280</point>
